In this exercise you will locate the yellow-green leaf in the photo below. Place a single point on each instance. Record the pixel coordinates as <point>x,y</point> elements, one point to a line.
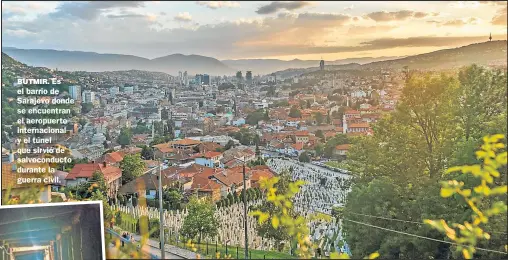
<point>499,190</point>
<point>466,193</point>
<point>263,217</point>
<point>447,192</point>
<point>454,169</point>
<point>275,222</point>
<point>466,254</point>
<point>373,255</point>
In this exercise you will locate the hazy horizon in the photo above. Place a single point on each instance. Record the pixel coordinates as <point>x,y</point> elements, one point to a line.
<point>252,30</point>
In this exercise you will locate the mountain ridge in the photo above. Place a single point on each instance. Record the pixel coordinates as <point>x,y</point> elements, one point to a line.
<point>486,53</point>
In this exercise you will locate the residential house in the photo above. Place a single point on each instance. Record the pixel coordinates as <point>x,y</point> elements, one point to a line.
<point>231,180</point>
<point>163,151</point>
<point>301,136</point>
<point>146,185</point>
<point>60,176</point>
<point>209,159</point>
<point>209,146</point>
<point>204,186</point>
<point>341,149</point>
<point>258,173</point>
<point>297,148</point>
<point>185,145</point>
<point>352,113</point>
<point>113,158</point>
<point>358,127</point>
<point>83,172</point>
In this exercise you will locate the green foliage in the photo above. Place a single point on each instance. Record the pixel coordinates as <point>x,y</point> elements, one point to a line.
<point>147,153</point>
<point>161,140</point>
<point>125,137</point>
<point>319,133</point>
<point>86,108</point>
<point>254,117</point>
<point>319,118</point>
<point>396,170</point>
<point>339,113</point>
<point>201,219</point>
<point>265,229</point>
<point>330,144</point>
<point>245,136</point>
<point>229,145</point>
<point>106,210</point>
<point>468,233</point>
<point>132,167</point>
<point>304,157</point>
<point>295,112</point>
<point>173,197</point>
<point>482,95</point>
<point>319,149</point>
<point>278,217</point>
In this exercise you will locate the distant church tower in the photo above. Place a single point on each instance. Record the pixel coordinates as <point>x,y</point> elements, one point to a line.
<point>490,37</point>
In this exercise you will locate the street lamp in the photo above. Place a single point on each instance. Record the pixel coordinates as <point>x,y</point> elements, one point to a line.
<point>161,211</point>
<point>245,210</point>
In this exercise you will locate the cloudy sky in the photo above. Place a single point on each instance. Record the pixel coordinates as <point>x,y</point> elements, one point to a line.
<point>239,30</point>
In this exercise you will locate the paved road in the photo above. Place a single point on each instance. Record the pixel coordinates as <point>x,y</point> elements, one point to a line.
<point>152,247</point>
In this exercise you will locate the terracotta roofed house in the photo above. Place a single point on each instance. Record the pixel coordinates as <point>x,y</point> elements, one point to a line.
<point>342,149</point>
<point>301,136</point>
<point>358,127</point>
<point>186,145</point>
<point>83,172</point>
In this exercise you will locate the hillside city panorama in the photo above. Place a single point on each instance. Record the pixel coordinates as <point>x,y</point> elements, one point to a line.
<point>260,130</point>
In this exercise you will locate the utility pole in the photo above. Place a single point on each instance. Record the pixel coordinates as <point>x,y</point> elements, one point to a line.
<point>161,212</point>
<point>245,212</point>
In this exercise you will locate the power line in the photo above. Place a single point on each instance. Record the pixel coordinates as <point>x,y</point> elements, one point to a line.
<point>394,219</point>
<point>428,238</point>
<point>406,221</point>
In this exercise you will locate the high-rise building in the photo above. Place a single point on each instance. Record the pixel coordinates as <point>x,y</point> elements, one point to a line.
<point>206,79</point>
<point>185,79</point>
<point>180,77</point>
<point>75,92</point>
<point>248,77</point>
<point>88,96</point>
<point>322,65</point>
<point>239,76</point>
<point>198,79</point>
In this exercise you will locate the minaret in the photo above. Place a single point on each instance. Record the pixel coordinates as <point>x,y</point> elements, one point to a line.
<point>490,37</point>
<point>347,101</point>
<point>344,124</point>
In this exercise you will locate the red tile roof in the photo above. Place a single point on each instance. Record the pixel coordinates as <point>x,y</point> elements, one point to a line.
<point>257,175</point>
<point>301,133</point>
<point>114,157</point>
<point>352,112</point>
<point>343,147</point>
<point>359,125</point>
<point>186,142</point>
<point>297,146</point>
<point>86,170</point>
<point>211,154</point>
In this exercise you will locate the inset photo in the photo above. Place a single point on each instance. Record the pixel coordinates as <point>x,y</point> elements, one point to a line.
<point>52,231</point>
